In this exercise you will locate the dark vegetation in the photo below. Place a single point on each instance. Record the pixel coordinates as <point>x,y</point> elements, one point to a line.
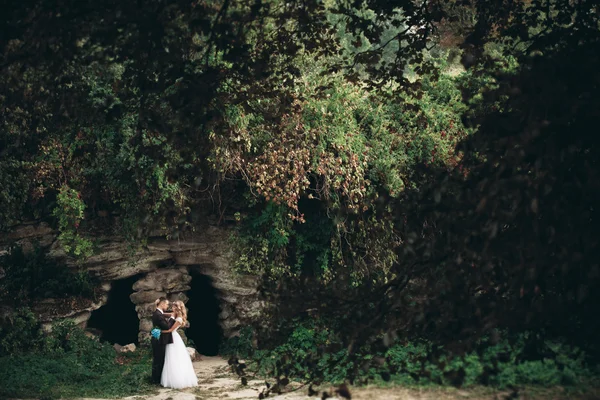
<point>313,352</point>
<point>32,275</point>
<point>408,222</point>
<point>66,363</point>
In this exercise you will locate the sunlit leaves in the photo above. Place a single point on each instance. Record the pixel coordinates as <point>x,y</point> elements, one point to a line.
<point>69,212</point>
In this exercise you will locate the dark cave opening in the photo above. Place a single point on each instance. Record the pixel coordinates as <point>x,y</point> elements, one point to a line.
<point>203,315</point>
<point>117,321</point>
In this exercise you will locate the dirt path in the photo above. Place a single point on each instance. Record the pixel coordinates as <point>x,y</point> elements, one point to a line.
<point>217,382</point>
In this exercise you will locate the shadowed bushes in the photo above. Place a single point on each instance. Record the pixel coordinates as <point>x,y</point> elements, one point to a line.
<point>66,363</point>
<point>312,352</point>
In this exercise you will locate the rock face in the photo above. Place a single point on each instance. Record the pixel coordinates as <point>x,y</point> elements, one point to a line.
<point>171,283</point>
<point>164,268</point>
<point>193,353</point>
<point>128,348</point>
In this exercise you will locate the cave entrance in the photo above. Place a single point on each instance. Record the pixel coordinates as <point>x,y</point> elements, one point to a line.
<point>203,315</point>
<point>117,321</point>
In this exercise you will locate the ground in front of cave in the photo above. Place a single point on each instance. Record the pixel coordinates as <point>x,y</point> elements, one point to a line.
<point>217,382</point>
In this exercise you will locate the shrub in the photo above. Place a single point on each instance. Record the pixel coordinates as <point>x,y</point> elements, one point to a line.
<point>69,212</point>
<point>240,346</point>
<point>67,363</point>
<point>505,363</point>
<point>22,333</point>
<point>312,352</point>
<point>67,375</point>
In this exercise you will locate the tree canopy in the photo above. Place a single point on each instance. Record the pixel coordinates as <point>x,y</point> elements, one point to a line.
<point>367,177</point>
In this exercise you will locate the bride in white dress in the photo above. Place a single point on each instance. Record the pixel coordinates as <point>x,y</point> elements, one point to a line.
<point>178,371</point>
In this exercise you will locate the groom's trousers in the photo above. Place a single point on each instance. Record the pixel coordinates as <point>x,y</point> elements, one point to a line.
<point>158,359</point>
<point>159,346</point>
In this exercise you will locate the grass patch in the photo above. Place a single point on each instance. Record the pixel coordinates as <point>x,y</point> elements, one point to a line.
<point>67,364</point>
<point>73,376</point>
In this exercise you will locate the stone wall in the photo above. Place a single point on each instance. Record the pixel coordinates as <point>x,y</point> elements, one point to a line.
<point>164,267</point>
<point>163,282</point>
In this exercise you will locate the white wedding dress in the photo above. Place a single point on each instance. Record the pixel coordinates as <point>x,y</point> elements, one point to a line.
<point>178,371</point>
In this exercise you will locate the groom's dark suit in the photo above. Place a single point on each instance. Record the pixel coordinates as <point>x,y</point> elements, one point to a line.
<point>159,345</point>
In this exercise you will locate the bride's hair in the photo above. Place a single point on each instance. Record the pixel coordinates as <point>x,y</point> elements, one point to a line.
<point>181,311</point>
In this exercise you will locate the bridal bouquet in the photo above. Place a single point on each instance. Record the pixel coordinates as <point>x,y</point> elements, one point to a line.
<point>155,333</point>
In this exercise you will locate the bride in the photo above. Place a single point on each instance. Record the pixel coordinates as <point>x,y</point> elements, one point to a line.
<point>178,371</point>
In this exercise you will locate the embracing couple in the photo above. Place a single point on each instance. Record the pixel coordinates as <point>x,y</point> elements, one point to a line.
<point>171,363</point>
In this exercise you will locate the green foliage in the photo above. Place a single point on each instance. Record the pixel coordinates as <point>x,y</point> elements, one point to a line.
<point>342,139</point>
<point>13,181</point>
<point>312,351</point>
<point>21,334</point>
<point>69,212</point>
<point>32,275</point>
<point>509,362</point>
<point>240,346</point>
<point>407,358</point>
<point>356,200</point>
<point>259,242</point>
<point>272,243</point>
<point>67,363</point>
<point>327,168</point>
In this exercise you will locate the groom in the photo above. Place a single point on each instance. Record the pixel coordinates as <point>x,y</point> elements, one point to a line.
<point>160,320</point>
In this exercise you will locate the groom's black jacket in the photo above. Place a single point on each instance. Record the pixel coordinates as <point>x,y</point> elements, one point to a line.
<point>160,321</point>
